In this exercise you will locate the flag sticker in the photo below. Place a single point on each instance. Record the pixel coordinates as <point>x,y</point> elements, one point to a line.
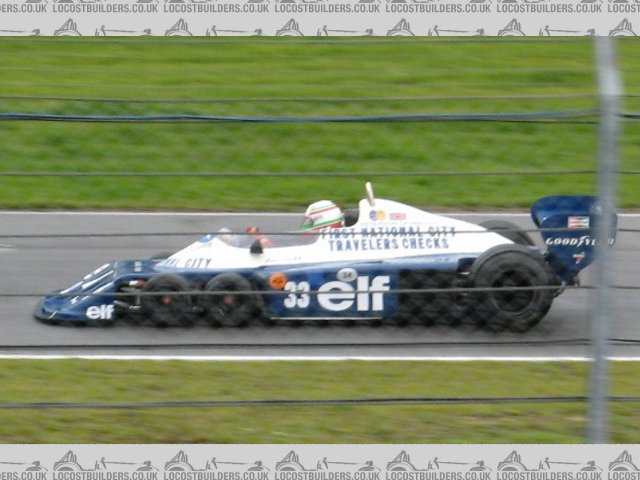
<point>577,222</point>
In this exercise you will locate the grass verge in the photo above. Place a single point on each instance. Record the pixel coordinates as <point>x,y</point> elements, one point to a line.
<point>144,381</point>
<point>309,78</point>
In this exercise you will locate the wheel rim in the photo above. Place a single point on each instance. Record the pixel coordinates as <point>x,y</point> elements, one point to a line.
<point>171,308</point>
<point>225,307</point>
<point>226,304</point>
<point>166,300</point>
<point>170,303</point>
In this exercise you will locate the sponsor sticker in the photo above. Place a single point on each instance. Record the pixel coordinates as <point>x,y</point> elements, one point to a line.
<point>377,215</point>
<point>577,221</point>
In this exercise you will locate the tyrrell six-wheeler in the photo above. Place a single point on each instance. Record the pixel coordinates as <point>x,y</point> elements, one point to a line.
<point>385,261</point>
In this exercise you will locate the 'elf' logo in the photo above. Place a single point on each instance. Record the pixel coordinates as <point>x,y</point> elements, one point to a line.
<point>367,295</point>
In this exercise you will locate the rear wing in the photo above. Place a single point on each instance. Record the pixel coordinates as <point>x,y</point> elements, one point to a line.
<point>568,228</point>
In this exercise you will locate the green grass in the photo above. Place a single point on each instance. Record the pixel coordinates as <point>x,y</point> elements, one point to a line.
<point>140,381</point>
<point>560,75</point>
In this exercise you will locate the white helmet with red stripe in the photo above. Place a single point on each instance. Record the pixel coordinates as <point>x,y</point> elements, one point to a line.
<point>322,214</point>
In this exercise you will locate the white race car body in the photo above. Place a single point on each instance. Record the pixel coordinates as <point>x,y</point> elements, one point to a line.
<point>390,231</point>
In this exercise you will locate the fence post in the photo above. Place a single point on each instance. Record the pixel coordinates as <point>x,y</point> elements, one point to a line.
<point>609,90</point>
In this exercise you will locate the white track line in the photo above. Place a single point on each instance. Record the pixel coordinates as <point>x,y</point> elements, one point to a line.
<point>230,358</point>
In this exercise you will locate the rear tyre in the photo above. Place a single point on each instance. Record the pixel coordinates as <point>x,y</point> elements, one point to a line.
<point>509,230</point>
<point>227,308</point>
<point>510,266</point>
<point>167,309</point>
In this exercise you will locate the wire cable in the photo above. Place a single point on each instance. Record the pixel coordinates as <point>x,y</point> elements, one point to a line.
<point>574,342</point>
<point>297,99</point>
<point>445,117</point>
<point>312,402</point>
<point>210,174</point>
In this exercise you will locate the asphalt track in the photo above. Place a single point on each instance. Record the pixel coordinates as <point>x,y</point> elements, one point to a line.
<point>33,265</point>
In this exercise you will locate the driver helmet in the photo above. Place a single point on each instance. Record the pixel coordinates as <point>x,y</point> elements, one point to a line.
<point>322,214</point>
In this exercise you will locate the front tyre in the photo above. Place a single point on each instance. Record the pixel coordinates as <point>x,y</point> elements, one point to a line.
<point>172,307</point>
<point>507,266</point>
<point>227,303</point>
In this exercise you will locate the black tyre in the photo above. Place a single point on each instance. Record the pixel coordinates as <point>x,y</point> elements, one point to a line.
<point>509,230</point>
<point>228,309</point>
<point>510,266</point>
<point>167,309</point>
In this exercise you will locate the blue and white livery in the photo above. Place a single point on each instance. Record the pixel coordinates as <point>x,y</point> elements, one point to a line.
<point>389,261</point>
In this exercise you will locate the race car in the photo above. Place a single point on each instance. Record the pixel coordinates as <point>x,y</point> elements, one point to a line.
<point>386,261</point>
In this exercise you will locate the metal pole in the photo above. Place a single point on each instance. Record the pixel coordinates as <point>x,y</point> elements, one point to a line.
<point>609,93</point>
